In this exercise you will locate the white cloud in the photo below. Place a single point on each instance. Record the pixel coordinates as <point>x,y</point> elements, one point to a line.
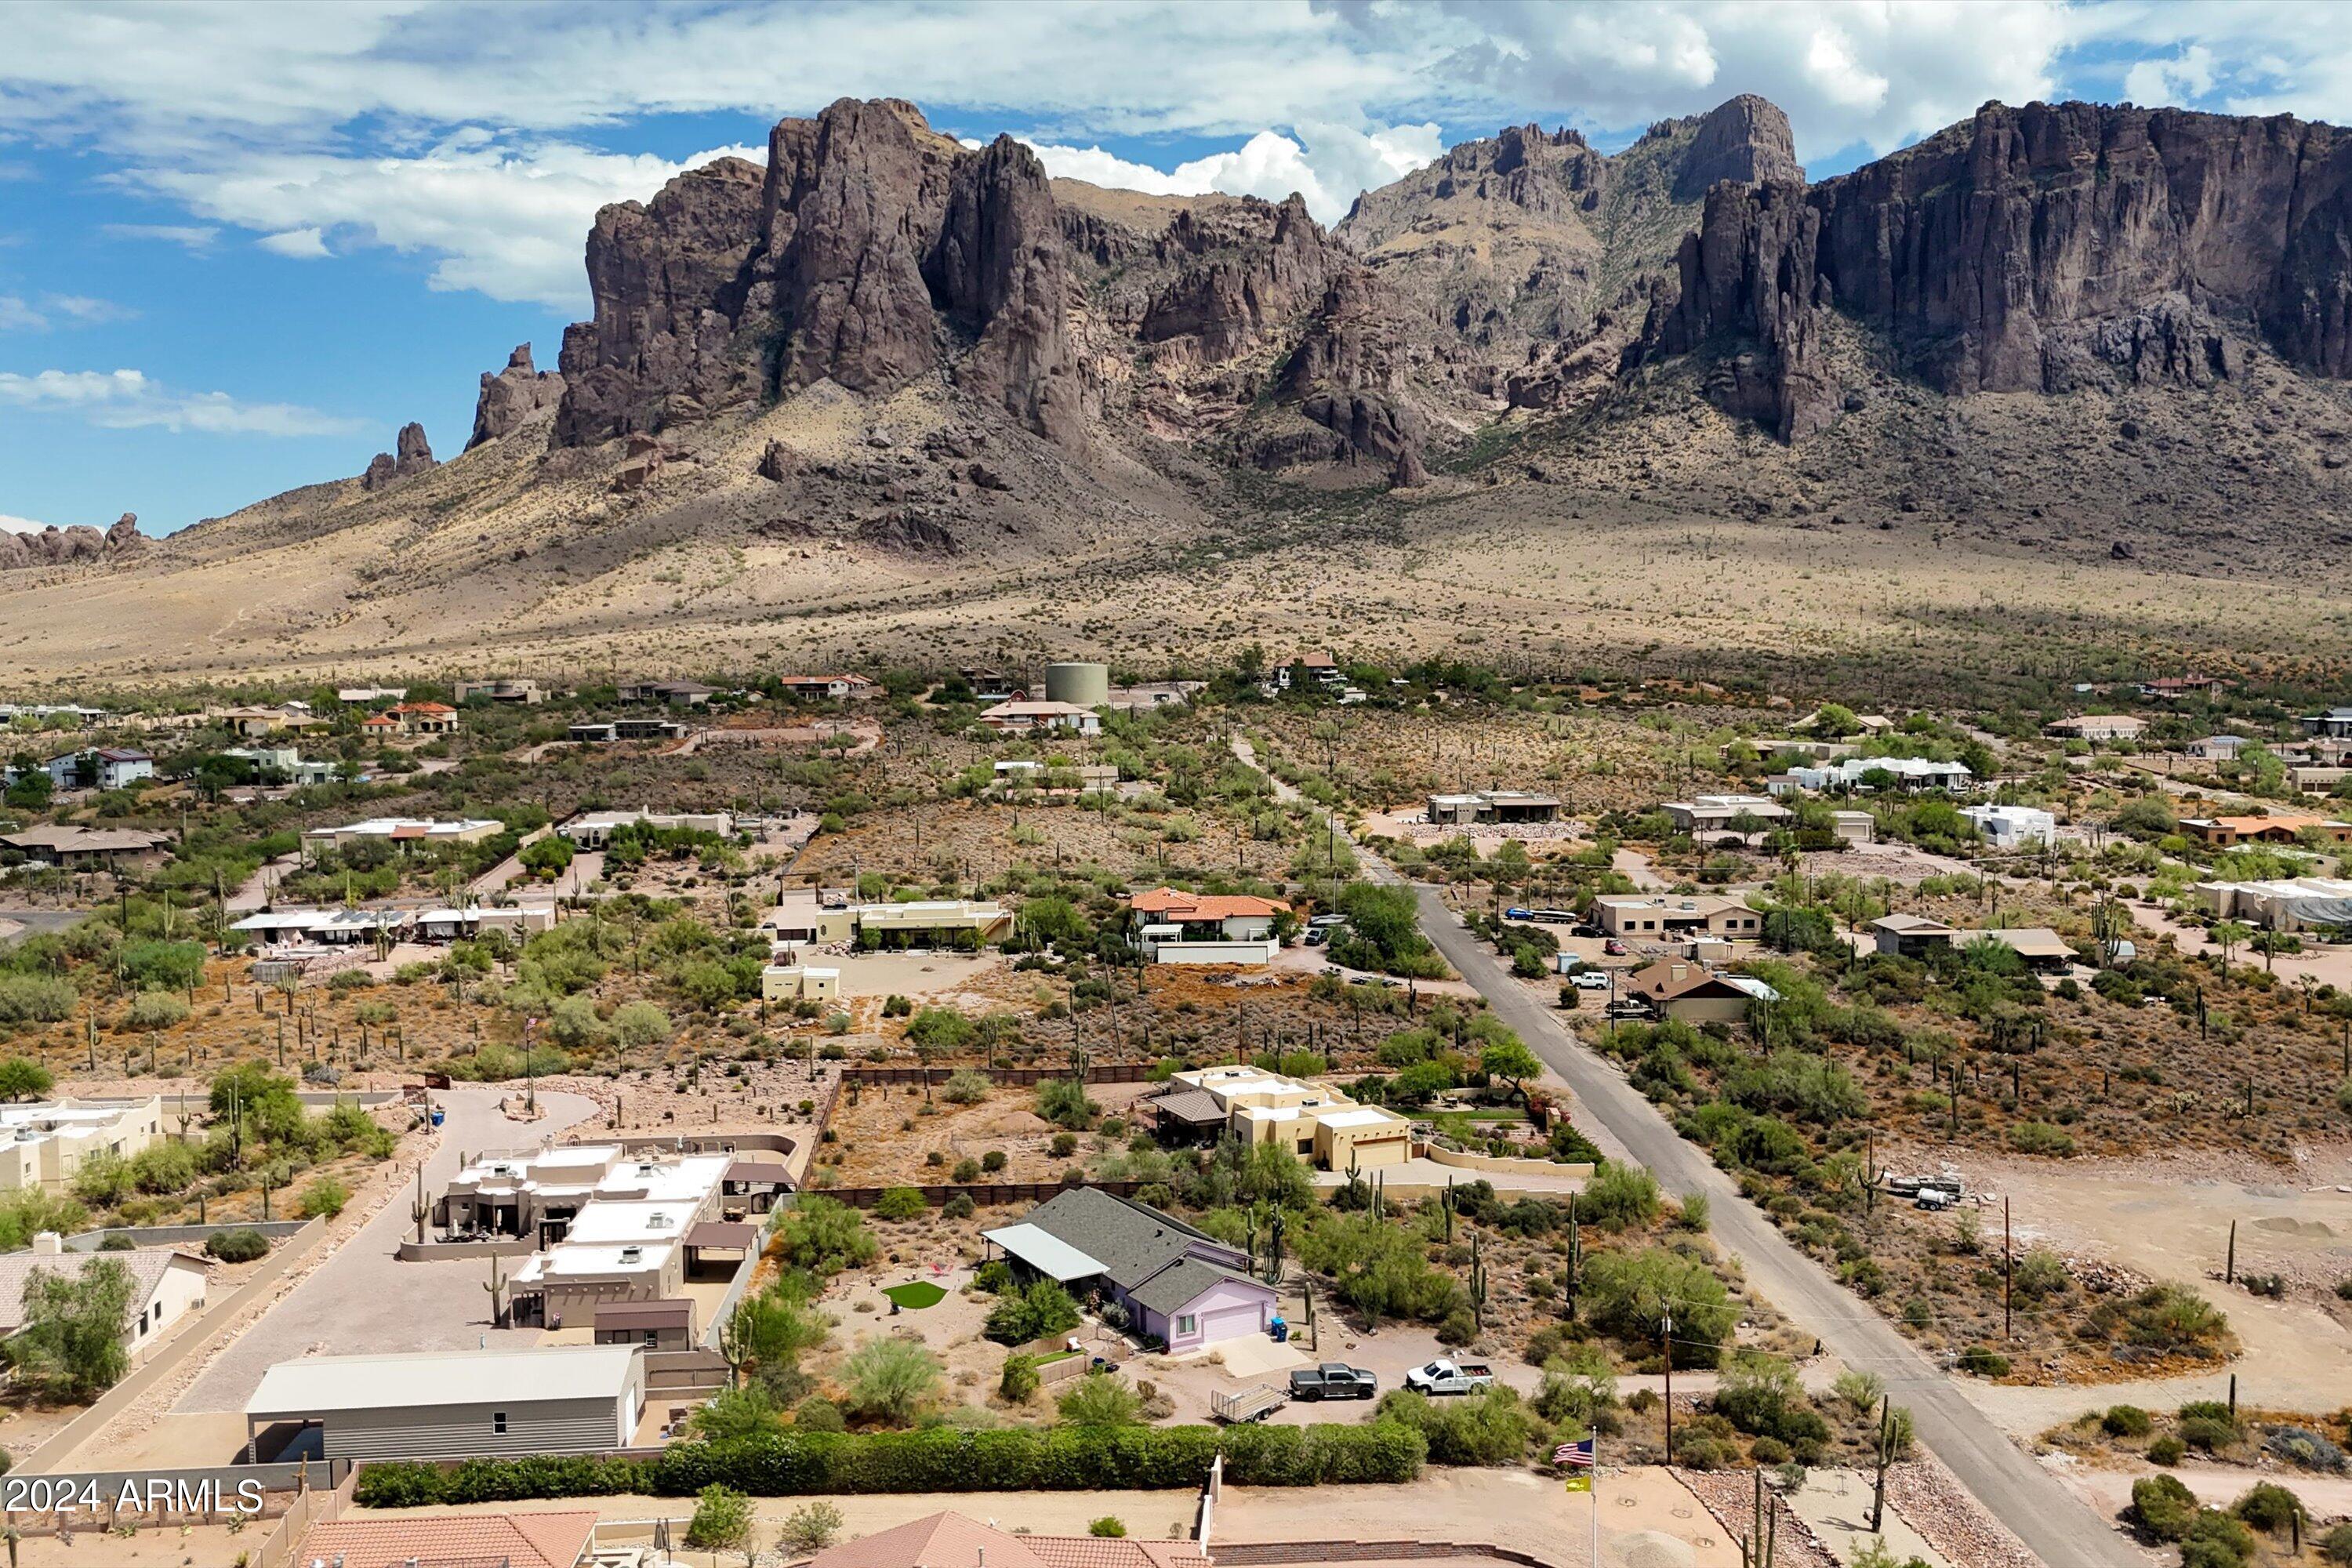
<point>19,314</point>
<point>300,244</point>
<point>507,218</point>
<point>459,133</point>
<point>2184,78</point>
<point>193,237</point>
<point>1328,169</point>
<point>128,400</point>
<point>19,524</point>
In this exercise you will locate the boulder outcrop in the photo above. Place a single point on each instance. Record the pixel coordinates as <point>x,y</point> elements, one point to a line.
<point>412,456</point>
<point>513,397</point>
<point>55,546</point>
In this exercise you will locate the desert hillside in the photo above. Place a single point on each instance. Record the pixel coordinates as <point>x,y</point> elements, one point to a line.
<point>1667,407</point>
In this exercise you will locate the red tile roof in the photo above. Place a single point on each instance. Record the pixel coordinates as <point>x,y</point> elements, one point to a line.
<point>553,1539</point>
<point>1202,905</point>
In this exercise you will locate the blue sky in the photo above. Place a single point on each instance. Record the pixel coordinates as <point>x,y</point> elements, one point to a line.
<point>241,245</point>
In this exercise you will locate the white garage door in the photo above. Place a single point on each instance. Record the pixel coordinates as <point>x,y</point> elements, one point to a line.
<point>1228,1323</point>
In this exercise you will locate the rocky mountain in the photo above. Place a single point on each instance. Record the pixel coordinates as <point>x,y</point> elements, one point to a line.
<point>414,457</point>
<point>2047,248</point>
<point>55,546</point>
<point>873,252</point>
<point>1515,253</point>
<point>513,398</point>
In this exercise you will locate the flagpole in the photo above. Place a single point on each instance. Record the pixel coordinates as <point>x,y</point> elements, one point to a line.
<point>1596,1496</point>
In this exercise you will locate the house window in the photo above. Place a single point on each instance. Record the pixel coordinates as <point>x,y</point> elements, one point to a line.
<point>1187,1323</point>
<point>498,1422</point>
<point>1306,1145</point>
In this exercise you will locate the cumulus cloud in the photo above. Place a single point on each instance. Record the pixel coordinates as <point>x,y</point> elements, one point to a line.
<point>129,400</point>
<point>18,316</point>
<point>462,134</point>
<point>19,524</point>
<point>1328,169</point>
<point>503,217</point>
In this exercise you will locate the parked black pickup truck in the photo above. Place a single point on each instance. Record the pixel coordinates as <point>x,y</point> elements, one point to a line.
<point>1334,1380</point>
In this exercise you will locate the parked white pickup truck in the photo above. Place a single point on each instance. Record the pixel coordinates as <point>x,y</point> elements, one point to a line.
<point>1443,1376</point>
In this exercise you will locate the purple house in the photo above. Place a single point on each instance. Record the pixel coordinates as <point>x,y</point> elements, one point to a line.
<point>1182,1285</point>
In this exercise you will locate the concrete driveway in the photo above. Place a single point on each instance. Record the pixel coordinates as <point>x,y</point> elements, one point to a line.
<point>363,1298</point>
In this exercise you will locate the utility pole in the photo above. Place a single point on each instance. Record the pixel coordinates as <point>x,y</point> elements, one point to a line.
<point>2008,1272</point>
<point>1667,1333</point>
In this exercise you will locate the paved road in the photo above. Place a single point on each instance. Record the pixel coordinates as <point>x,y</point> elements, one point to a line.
<point>2054,1526</point>
<point>363,1298</point>
<point>2059,1530</point>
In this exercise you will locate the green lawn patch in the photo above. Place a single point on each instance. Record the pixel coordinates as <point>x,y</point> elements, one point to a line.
<point>916,1294</point>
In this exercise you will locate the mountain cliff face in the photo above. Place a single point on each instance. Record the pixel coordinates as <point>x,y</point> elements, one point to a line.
<point>873,251</point>
<point>513,397</point>
<point>1516,252</point>
<point>2043,249</point>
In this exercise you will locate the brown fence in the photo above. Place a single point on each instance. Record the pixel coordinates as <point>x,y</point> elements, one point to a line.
<point>981,1193</point>
<point>1011,1078</point>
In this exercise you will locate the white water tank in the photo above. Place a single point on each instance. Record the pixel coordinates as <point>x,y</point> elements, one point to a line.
<point>1085,685</point>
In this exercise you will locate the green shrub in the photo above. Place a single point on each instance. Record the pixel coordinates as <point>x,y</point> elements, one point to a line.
<point>818,1414</point>
<point>2166,1450</point>
<point>1044,1307</point>
<point>1108,1525</point>
<point>2207,1433</point>
<point>1490,1427</point>
<point>2163,1505</point>
<point>1983,1360</point>
<point>2040,1138</point>
<point>239,1245</point>
<point>324,1198</point>
<point>899,1202</point>
<point>2337,1544</point>
<point>992,1160</point>
<point>1020,1381</point>
<point>2268,1506</point>
<point>939,1458</point>
<point>2215,1540</point>
<point>2125,1421</point>
<point>158,1010</point>
<point>1619,1197</point>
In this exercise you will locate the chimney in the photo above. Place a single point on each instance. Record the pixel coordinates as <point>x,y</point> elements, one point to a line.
<point>48,1244</point>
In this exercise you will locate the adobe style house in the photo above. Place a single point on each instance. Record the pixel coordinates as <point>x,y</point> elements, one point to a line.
<point>1019,717</point>
<point>1664,917</point>
<point>675,693</point>
<point>2224,831</point>
<point>1179,1284</point>
<point>2097,726</point>
<point>1317,1123</point>
<point>528,693</point>
<point>1494,806</point>
<point>828,688</point>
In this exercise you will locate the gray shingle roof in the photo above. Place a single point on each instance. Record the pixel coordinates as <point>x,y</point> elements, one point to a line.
<point>1133,1241</point>
<point>1170,1288</point>
<point>146,1267</point>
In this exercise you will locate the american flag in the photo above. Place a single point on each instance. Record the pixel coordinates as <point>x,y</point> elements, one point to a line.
<point>1574,1456</point>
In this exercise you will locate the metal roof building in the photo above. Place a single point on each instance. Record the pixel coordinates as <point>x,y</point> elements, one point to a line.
<point>556,1399</point>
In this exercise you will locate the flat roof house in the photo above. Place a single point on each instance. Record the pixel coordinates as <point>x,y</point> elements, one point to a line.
<point>165,1285</point>
<point>43,1145</point>
<point>1665,916</point>
<point>2297,904</point>
<point>1319,1124</point>
<point>403,831</point>
<point>926,922</point>
<point>1180,1284</point>
<point>594,829</point>
<point>551,1399</point>
<point>675,693</point>
<point>2012,826</point>
<point>1712,813</point>
<point>1497,806</point>
<point>1021,717</point>
<point>2097,726</point>
<point>528,693</point>
<point>1906,773</point>
<point>2216,748</point>
<point>829,688</point>
<point>2335,721</point>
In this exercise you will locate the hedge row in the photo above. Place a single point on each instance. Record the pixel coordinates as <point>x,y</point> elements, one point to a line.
<point>942,1460</point>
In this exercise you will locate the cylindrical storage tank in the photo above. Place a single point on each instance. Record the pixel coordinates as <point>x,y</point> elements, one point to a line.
<point>1085,685</point>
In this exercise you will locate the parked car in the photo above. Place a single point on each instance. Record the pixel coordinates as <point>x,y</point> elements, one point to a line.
<point>1590,980</point>
<point>1333,1380</point>
<point>1517,913</point>
<point>1443,1376</point>
<point>1627,1009</point>
<point>1317,936</point>
<point>1613,948</point>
